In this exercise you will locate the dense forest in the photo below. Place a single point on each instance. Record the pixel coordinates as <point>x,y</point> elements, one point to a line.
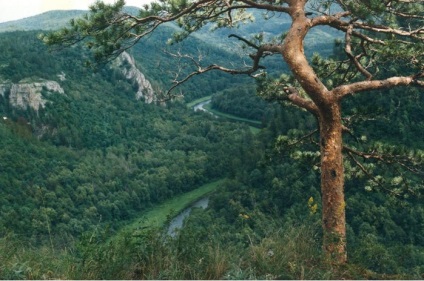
<point>95,154</point>
<point>93,159</point>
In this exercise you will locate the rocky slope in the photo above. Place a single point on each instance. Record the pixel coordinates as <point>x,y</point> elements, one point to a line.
<point>127,66</point>
<point>33,93</point>
<point>29,94</point>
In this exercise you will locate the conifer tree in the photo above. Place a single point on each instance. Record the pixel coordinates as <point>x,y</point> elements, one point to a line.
<point>375,32</point>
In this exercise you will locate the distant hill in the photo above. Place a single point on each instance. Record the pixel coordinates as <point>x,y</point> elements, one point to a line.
<point>320,39</point>
<point>46,21</point>
<point>214,47</point>
<point>50,20</point>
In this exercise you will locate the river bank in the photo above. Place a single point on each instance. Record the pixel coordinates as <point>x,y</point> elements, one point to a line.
<point>177,222</point>
<point>161,214</point>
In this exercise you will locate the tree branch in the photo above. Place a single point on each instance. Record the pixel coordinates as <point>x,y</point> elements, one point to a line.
<point>301,139</point>
<point>388,159</point>
<point>350,89</point>
<point>368,174</point>
<point>200,70</point>
<point>294,97</point>
<point>244,40</point>
<point>268,7</point>
<point>293,53</point>
<point>354,59</point>
<point>262,50</point>
<point>385,29</point>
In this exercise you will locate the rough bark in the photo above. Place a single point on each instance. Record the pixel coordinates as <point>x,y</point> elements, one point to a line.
<point>327,109</point>
<point>332,184</point>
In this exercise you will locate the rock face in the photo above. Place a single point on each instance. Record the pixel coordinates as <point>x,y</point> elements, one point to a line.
<point>24,95</point>
<point>126,64</point>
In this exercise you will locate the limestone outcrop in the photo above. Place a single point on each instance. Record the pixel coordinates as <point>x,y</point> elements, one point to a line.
<point>29,94</point>
<point>126,64</point>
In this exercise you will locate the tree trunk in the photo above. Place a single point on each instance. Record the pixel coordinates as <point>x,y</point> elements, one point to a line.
<point>332,184</point>
<point>326,106</point>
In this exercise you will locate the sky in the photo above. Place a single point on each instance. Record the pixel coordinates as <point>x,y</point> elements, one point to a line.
<point>19,9</point>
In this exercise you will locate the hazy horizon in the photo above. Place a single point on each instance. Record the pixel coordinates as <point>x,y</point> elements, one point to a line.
<point>20,9</point>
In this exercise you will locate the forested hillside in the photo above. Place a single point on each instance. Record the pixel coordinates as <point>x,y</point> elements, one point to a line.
<point>91,159</point>
<point>94,154</point>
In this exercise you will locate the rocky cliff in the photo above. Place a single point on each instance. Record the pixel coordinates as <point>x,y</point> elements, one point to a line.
<point>29,94</point>
<point>126,64</point>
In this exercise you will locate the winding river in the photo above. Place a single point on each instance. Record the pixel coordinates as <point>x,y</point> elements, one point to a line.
<point>178,221</point>
<point>200,106</point>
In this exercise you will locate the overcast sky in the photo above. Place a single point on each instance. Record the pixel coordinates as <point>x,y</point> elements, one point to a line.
<point>18,9</point>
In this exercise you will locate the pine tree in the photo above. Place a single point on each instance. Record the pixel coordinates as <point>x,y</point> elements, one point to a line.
<point>375,33</point>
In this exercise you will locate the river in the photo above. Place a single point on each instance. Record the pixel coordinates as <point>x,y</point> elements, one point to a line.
<point>252,123</point>
<point>201,107</point>
<point>177,222</point>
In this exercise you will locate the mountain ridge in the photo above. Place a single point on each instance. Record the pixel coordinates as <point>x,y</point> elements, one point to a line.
<point>49,20</point>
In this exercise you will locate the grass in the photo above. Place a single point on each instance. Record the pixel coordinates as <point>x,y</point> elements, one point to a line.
<point>287,251</point>
<point>254,130</point>
<point>22,261</point>
<point>159,215</point>
<point>96,259</point>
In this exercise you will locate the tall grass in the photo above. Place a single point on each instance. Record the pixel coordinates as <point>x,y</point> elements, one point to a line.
<point>22,261</point>
<point>287,252</point>
<point>147,255</point>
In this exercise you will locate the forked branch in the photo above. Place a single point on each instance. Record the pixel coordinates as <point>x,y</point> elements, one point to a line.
<point>406,162</point>
<point>199,69</point>
<point>352,57</point>
<point>353,88</point>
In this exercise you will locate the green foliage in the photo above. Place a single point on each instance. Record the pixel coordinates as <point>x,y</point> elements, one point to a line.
<point>94,159</point>
<point>241,102</point>
<point>94,155</point>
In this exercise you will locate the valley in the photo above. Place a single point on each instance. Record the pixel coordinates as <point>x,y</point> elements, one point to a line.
<point>94,163</point>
